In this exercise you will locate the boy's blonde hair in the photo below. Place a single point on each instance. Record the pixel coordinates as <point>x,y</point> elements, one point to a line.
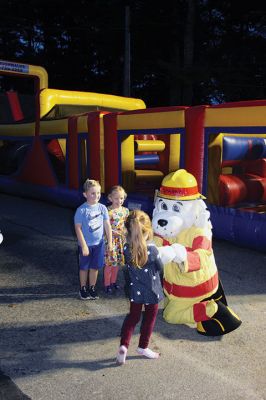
<point>117,188</point>
<point>139,230</point>
<point>90,183</point>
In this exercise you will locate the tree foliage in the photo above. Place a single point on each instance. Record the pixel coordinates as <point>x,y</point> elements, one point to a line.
<point>183,52</point>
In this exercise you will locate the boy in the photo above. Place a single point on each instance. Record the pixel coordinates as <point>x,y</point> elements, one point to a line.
<point>91,221</point>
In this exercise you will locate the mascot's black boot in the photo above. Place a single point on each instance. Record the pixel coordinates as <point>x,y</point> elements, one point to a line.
<point>218,295</point>
<point>222,322</point>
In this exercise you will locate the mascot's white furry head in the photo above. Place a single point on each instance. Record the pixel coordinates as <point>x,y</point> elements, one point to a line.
<point>179,205</point>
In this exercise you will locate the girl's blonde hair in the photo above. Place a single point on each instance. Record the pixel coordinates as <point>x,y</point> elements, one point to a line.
<point>90,183</point>
<point>117,188</point>
<point>139,230</point>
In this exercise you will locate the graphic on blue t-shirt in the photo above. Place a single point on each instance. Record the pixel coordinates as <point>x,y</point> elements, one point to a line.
<point>91,219</point>
<point>94,222</point>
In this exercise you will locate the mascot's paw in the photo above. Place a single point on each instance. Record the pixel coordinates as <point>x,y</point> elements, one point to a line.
<point>222,322</point>
<point>167,254</point>
<point>180,255</point>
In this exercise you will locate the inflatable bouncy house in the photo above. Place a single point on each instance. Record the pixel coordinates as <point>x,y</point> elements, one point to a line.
<point>222,146</point>
<point>226,151</point>
<point>52,140</point>
<point>144,146</point>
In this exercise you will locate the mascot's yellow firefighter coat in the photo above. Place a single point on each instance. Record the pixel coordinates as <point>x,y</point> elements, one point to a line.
<point>182,231</point>
<point>185,290</point>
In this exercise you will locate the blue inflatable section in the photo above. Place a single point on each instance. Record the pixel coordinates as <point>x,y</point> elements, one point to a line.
<point>247,229</point>
<point>146,159</point>
<point>59,195</point>
<point>240,148</point>
<point>65,197</point>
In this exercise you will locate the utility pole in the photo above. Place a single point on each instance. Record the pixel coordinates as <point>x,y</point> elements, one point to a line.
<point>127,83</point>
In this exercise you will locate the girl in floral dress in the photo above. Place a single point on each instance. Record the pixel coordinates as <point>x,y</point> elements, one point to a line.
<point>115,259</point>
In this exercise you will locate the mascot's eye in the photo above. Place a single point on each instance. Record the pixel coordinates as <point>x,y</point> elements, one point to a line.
<point>164,206</point>
<point>176,208</point>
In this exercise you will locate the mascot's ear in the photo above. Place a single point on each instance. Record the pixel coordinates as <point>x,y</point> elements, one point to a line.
<point>155,196</point>
<point>155,202</point>
<point>202,219</point>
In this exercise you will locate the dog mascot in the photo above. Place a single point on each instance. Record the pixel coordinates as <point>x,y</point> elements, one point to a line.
<point>183,233</point>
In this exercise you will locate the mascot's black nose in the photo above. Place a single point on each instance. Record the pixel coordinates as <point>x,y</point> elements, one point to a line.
<point>162,222</point>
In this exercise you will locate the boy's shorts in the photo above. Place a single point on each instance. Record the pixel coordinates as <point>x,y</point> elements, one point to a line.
<point>94,260</point>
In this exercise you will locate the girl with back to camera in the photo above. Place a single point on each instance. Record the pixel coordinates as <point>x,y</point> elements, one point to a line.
<point>143,266</point>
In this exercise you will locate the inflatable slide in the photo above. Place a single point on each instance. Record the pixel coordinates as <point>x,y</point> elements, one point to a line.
<point>50,140</point>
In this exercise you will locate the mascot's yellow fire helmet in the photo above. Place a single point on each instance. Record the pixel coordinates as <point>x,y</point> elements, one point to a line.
<point>180,185</point>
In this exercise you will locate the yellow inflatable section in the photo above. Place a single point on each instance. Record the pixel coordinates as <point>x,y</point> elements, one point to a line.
<point>25,70</point>
<point>52,105</point>
<point>87,101</point>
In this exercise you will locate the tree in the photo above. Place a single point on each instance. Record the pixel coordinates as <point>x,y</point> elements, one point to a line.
<point>183,52</point>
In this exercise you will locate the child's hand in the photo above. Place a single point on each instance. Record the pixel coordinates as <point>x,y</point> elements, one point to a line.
<point>110,247</point>
<point>85,251</point>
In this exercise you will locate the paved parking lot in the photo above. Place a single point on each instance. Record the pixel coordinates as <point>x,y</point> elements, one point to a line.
<point>55,346</point>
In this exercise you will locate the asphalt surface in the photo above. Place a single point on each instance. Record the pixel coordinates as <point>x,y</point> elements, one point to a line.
<point>55,346</point>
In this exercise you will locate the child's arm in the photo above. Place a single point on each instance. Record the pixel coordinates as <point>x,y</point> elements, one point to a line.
<point>82,242</point>
<point>159,264</point>
<point>108,232</point>
<point>158,261</point>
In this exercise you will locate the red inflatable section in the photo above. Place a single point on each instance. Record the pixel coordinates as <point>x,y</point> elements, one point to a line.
<point>256,187</point>
<point>234,189</point>
<point>257,167</point>
<point>36,168</point>
<point>194,144</point>
<point>54,148</point>
<point>15,105</point>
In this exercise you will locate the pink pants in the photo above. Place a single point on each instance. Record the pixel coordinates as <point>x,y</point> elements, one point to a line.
<point>133,318</point>
<point>110,275</point>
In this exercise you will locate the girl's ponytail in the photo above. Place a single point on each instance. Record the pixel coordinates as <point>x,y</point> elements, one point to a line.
<point>139,230</point>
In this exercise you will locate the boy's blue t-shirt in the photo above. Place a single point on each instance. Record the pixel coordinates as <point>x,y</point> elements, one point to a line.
<point>91,219</point>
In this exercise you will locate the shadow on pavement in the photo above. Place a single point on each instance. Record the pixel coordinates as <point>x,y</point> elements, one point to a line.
<point>9,390</point>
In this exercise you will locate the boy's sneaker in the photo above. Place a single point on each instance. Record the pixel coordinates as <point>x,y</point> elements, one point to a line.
<point>93,293</point>
<point>84,294</point>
